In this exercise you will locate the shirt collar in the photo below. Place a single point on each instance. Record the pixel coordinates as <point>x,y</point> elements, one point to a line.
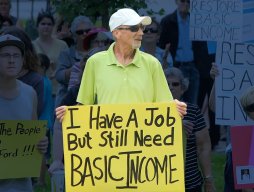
<point>113,60</point>
<point>179,18</point>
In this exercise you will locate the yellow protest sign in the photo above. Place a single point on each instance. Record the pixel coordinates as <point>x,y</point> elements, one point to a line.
<point>134,147</point>
<point>19,157</point>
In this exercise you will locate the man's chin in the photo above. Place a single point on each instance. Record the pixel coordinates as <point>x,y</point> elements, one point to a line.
<point>136,45</point>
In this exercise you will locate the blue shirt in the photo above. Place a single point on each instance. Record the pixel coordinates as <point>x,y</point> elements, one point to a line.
<point>211,46</point>
<point>159,53</point>
<point>184,51</point>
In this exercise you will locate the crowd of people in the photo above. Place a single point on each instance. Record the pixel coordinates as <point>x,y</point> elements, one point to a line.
<point>79,63</point>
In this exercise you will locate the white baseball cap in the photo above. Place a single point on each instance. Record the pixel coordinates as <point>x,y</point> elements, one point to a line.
<point>127,16</point>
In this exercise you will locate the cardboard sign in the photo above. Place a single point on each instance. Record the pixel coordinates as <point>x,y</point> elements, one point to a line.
<point>219,20</point>
<point>235,62</point>
<point>134,147</point>
<point>242,138</point>
<point>248,24</point>
<point>19,157</point>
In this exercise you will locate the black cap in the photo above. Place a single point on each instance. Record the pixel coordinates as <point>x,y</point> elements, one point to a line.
<point>7,39</point>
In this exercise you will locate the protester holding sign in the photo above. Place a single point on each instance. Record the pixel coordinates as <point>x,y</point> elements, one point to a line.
<point>228,171</point>
<point>15,97</point>
<point>198,146</point>
<point>29,75</point>
<point>123,73</point>
<point>134,75</point>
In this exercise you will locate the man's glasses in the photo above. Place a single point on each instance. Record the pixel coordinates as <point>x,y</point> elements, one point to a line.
<point>250,108</point>
<point>185,1</point>
<point>151,30</point>
<point>82,31</point>
<point>133,28</point>
<point>174,84</point>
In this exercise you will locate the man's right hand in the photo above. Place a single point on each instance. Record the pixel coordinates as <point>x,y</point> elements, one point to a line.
<point>214,72</point>
<point>60,112</point>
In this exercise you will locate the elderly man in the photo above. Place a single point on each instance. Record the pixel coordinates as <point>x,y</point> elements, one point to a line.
<point>123,73</point>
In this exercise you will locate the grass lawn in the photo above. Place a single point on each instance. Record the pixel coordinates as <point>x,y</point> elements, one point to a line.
<point>218,161</point>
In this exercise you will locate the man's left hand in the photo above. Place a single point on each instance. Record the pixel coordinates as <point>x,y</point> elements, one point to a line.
<point>42,146</point>
<point>181,108</point>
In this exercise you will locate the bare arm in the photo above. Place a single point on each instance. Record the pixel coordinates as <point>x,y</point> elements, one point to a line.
<point>204,155</point>
<point>213,73</point>
<point>212,99</point>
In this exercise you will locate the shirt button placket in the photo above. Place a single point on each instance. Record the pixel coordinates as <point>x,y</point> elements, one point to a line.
<point>125,75</point>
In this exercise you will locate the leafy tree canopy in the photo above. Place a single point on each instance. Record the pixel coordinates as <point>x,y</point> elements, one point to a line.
<point>97,9</point>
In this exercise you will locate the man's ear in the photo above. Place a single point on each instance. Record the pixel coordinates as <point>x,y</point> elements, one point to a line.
<point>115,34</point>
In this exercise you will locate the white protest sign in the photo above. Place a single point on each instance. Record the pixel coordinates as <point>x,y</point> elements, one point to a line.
<point>248,24</point>
<point>216,20</point>
<point>236,65</point>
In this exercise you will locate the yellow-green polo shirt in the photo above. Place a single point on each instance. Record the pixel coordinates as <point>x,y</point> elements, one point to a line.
<point>106,81</point>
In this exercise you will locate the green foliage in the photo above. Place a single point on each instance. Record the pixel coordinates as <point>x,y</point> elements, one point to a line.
<point>218,164</point>
<point>96,9</point>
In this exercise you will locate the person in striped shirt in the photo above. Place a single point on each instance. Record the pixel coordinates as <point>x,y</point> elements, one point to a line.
<point>198,172</point>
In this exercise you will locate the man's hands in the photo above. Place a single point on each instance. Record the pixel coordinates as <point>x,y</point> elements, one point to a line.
<point>42,146</point>
<point>214,72</point>
<point>60,112</point>
<point>181,108</point>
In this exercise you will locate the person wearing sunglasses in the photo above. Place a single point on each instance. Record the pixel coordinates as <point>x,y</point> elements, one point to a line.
<point>68,58</point>
<point>123,73</point>
<point>80,27</point>
<point>198,145</point>
<point>149,45</point>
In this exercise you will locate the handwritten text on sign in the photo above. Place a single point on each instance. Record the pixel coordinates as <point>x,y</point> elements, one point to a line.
<point>216,20</point>
<point>19,156</point>
<point>117,147</point>
<point>236,65</point>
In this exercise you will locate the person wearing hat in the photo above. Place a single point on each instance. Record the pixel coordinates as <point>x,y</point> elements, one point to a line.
<point>15,96</point>
<point>123,73</point>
